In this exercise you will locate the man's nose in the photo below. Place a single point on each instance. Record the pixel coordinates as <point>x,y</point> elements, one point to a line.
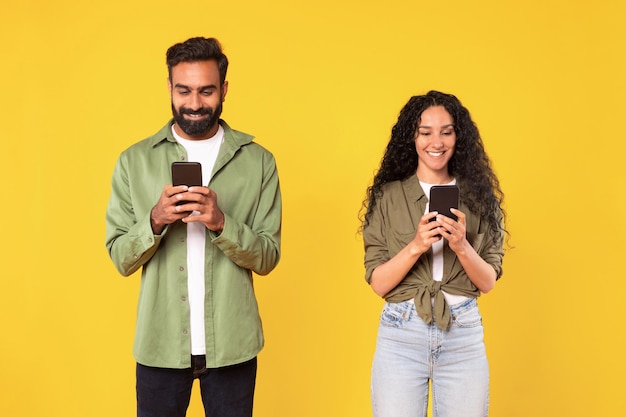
<point>194,101</point>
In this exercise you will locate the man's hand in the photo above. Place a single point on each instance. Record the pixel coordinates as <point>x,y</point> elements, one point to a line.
<point>202,201</point>
<point>166,211</point>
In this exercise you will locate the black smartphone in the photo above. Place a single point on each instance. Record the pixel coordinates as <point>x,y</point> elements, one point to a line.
<point>443,198</point>
<point>187,173</point>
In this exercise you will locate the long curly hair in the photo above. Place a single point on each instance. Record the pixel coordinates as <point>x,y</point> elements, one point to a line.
<point>469,164</point>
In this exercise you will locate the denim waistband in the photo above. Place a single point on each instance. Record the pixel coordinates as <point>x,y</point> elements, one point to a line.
<point>456,308</point>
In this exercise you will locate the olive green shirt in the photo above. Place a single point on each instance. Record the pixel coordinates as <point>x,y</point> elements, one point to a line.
<point>393,224</point>
<point>245,179</point>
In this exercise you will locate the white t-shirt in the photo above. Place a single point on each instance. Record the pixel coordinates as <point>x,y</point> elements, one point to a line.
<point>438,253</point>
<point>203,151</point>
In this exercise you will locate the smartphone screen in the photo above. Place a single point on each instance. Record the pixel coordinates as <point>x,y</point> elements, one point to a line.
<point>443,198</point>
<point>187,173</point>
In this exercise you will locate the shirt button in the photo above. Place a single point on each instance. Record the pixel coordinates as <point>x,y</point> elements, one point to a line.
<point>180,268</point>
<point>182,239</point>
<point>185,331</point>
<point>150,239</point>
<point>183,298</point>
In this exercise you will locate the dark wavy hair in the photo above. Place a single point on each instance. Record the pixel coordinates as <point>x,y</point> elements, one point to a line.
<point>197,49</point>
<point>469,164</point>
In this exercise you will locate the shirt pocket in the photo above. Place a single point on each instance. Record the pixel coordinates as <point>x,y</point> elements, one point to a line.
<point>397,240</point>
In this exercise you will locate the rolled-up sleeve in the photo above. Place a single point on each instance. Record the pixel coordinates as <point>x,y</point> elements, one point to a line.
<point>256,246</point>
<point>375,242</point>
<point>129,240</point>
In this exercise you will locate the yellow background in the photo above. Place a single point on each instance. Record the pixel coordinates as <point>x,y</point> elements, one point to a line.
<point>320,84</point>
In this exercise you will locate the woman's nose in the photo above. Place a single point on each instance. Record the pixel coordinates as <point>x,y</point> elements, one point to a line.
<point>438,142</point>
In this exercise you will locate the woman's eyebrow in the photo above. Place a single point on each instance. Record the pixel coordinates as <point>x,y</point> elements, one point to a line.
<point>430,127</point>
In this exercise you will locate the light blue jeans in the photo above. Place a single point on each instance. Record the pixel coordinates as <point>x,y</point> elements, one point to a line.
<point>410,354</point>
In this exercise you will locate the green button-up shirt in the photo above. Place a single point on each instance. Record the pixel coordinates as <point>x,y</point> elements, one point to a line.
<point>393,225</point>
<point>245,179</point>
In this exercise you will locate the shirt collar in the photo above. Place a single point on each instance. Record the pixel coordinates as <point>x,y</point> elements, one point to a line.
<point>412,188</point>
<point>233,138</point>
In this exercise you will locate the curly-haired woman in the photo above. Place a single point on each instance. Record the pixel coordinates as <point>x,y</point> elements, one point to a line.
<point>430,268</point>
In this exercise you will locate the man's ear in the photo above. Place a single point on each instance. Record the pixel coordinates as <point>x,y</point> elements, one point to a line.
<point>224,90</point>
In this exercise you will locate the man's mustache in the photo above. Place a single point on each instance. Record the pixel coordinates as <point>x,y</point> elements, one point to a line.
<point>202,111</point>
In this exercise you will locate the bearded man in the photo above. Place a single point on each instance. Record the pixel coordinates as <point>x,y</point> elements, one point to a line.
<point>197,315</point>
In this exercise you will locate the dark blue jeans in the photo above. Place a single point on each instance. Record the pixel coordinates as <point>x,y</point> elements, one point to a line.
<point>226,392</point>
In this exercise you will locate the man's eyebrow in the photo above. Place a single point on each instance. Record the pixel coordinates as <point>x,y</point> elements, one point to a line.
<point>203,88</point>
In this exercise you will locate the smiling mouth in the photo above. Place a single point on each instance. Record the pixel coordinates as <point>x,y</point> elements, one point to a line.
<point>195,115</point>
<point>435,153</point>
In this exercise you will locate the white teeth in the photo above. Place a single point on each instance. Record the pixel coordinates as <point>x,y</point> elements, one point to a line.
<point>435,153</point>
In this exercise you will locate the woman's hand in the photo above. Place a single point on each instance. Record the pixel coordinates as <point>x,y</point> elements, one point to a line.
<point>428,232</point>
<point>454,231</point>
<point>479,272</point>
<point>388,275</point>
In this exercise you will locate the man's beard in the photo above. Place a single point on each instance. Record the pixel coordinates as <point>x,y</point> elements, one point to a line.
<point>196,127</point>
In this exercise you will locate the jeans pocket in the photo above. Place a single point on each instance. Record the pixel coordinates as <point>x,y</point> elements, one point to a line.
<point>466,317</point>
<point>395,314</point>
